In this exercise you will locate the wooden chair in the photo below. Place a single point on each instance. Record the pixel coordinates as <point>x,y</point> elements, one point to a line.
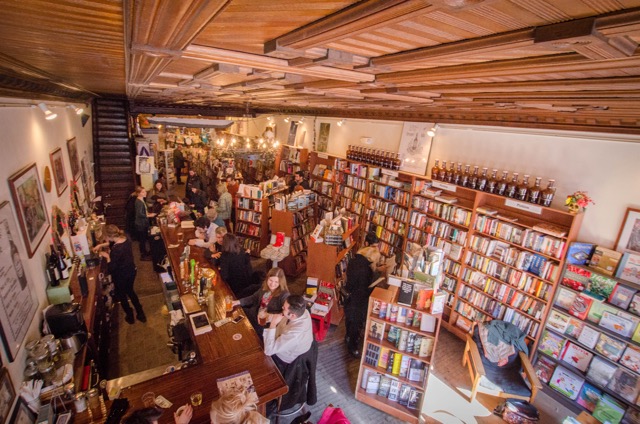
<point>505,382</point>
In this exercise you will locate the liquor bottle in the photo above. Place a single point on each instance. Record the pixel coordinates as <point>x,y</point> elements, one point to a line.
<point>482,181</point>
<point>523,189</point>
<point>546,197</point>
<point>53,270</point>
<point>449,174</point>
<point>473,181</point>
<point>464,180</point>
<point>492,182</point>
<point>435,170</point>
<point>501,187</point>
<point>389,160</point>
<point>442,174</point>
<point>457,175</point>
<point>512,187</point>
<point>349,152</point>
<point>397,162</point>
<point>534,192</point>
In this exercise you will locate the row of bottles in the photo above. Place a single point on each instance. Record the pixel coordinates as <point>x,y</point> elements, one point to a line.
<point>58,264</point>
<point>513,188</point>
<point>381,158</point>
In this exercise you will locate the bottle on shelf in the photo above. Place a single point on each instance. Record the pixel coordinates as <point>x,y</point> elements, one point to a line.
<point>397,162</point>
<point>473,180</point>
<point>457,174</point>
<point>349,152</point>
<point>449,174</point>
<point>435,170</point>
<point>482,181</point>
<point>53,267</point>
<point>546,196</point>
<point>464,179</point>
<point>492,182</point>
<point>534,192</point>
<point>501,186</point>
<point>523,189</point>
<point>442,174</point>
<point>512,187</point>
<point>389,160</point>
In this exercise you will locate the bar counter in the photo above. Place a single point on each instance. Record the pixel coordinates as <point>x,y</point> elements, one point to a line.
<point>220,354</point>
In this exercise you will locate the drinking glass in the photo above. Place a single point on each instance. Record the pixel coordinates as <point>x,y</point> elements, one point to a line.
<point>180,237</point>
<point>262,317</point>
<point>228,302</point>
<point>196,398</point>
<point>149,399</point>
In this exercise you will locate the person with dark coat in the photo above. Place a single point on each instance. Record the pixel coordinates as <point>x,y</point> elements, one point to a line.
<point>235,266</point>
<point>360,274</point>
<point>198,200</point>
<point>141,222</point>
<point>178,163</point>
<point>123,271</point>
<point>298,180</point>
<point>193,181</point>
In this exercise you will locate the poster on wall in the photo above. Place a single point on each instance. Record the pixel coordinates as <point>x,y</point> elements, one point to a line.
<point>414,147</point>
<point>17,299</point>
<point>87,177</point>
<point>293,130</point>
<point>57,164</point>
<point>28,201</point>
<point>323,136</point>
<point>74,159</point>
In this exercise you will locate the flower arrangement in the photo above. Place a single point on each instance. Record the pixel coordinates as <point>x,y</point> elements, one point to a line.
<point>578,201</point>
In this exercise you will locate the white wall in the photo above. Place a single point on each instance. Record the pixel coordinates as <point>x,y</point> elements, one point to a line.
<point>26,137</point>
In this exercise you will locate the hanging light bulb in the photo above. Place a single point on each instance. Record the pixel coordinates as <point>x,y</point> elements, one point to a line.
<point>48,115</point>
<point>276,143</point>
<point>341,122</point>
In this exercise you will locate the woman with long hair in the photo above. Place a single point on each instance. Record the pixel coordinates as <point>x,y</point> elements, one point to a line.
<point>141,222</point>
<point>235,266</point>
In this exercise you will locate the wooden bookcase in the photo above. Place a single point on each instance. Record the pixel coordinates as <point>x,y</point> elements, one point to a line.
<point>329,263</point>
<point>298,225</point>
<point>252,223</point>
<point>417,365</point>
<point>291,159</point>
<point>351,190</point>
<point>322,177</point>
<point>588,343</point>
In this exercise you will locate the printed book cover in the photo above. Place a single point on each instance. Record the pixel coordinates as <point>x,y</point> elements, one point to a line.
<point>580,253</point>
<point>605,260</point>
<point>376,330</point>
<point>618,324</point>
<point>631,358</point>
<point>610,347</point>
<point>589,336</point>
<point>608,409</point>
<point>576,277</point>
<point>551,344</point>
<point>621,296</point>
<point>566,382</point>
<point>634,306</point>
<point>601,286</point>
<point>629,268</point>
<point>414,399</point>
<point>589,396</point>
<point>625,384</point>
<point>236,383</point>
<point>576,356</point>
<point>544,368</point>
<point>600,371</point>
<point>580,306</point>
<point>558,321</point>
<point>574,328</point>
<point>565,298</point>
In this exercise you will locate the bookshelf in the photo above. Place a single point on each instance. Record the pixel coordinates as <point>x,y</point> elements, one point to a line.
<point>396,386</point>
<point>322,180</point>
<point>351,189</point>
<point>165,166</point>
<point>298,225</point>
<point>329,263</point>
<point>252,222</point>
<point>592,337</point>
<point>291,159</point>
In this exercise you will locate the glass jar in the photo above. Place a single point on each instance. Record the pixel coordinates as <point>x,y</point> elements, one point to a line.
<point>80,402</point>
<point>31,371</point>
<point>93,399</point>
<point>41,354</point>
<point>47,372</point>
<point>30,346</point>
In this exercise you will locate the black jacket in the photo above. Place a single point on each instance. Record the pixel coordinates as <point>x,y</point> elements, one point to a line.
<point>359,277</point>
<point>300,376</point>
<point>235,270</point>
<point>122,266</point>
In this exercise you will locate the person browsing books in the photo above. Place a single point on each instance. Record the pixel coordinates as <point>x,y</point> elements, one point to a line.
<point>290,334</point>
<point>360,274</point>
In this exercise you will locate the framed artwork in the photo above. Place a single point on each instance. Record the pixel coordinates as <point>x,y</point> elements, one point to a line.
<point>323,136</point>
<point>74,158</point>
<point>7,395</point>
<point>18,303</point>
<point>59,176</point>
<point>22,414</point>
<point>63,418</point>
<point>28,201</point>
<point>629,234</point>
<point>87,179</point>
<point>415,146</point>
<point>293,130</point>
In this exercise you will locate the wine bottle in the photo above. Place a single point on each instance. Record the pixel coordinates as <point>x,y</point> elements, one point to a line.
<point>435,170</point>
<point>512,187</point>
<point>534,192</point>
<point>464,180</point>
<point>546,197</point>
<point>442,174</point>
<point>349,152</point>
<point>473,181</point>
<point>501,187</point>
<point>449,174</point>
<point>492,182</point>
<point>397,162</point>
<point>482,181</point>
<point>523,189</point>
<point>457,174</point>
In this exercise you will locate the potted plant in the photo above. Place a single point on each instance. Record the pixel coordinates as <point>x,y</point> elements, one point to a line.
<point>578,201</point>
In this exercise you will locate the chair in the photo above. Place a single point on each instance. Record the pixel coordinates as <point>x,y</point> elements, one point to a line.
<point>502,381</point>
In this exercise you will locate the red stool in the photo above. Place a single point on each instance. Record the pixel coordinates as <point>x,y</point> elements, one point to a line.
<point>321,325</point>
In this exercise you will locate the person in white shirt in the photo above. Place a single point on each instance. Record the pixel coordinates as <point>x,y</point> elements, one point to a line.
<point>205,233</point>
<point>290,334</point>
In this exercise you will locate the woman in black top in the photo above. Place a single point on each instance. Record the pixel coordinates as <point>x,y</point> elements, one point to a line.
<point>235,266</point>
<point>123,272</point>
<point>142,223</point>
<point>360,274</point>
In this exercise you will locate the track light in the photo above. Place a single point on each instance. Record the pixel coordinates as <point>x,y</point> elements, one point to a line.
<point>48,115</point>
<point>341,122</point>
<point>76,109</point>
<point>301,120</point>
<point>432,131</point>
<point>269,118</point>
<point>287,119</point>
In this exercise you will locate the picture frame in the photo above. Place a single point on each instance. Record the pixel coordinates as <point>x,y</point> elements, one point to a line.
<point>18,304</point>
<point>415,145</point>
<point>63,418</point>
<point>629,234</point>
<point>323,136</point>
<point>7,395</point>
<point>59,175</point>
<point>22,414</point>
<point>74,158</point>
<point>28,201</point>
<point>293,131</point>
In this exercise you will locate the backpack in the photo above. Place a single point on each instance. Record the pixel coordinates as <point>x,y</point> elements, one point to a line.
<point>515,411</point>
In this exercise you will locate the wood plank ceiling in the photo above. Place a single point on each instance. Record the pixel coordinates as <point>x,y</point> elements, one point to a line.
<point>566,64</point>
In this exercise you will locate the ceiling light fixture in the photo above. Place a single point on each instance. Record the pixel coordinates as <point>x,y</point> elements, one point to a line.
<point>287,119</point>
<point>341,122</point>
<point>432,131</point>
<point>76,109</point>
<point>301,120</point>
<point>48,115</point>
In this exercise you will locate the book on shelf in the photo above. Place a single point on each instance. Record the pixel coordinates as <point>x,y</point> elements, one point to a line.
<point>464,324</point>
<point>383,360</point>
<point>566,382</point>
<point>414,399</point>
<point>376,330</point>
<point>372,354</point>
<point>403,394</point>
<point>507,218</point>
<point>551,229</point>
<point>574,328</point>
<point>618,324</point>
<point>634,306</point>
<point>558,321</point>
<point>405,293</point>
<point>621,296</point>
<point>426,347</point>
<point>565,298</point>
<point>373,383</point>
<point>600,286</point>
<point>632,416</point>
<point>393,335</point>
<point>608,409</point>
<point>625,384</point>
<point>589,396</point>
<point>446,199</point>
<point>486,211</point>
<point>200,323</point>
<point>580,253</point>
<point>589,336</point>
<point>597,308</point>
<point>609,347</point>
<point>385,385</point>
<point>394,390</point>
<point>600,371</point>
<point>544,368</point>
<point>237,382</point>
<point>416,370</point>
<point>576,278</point>
<point>580,306</point>
<point>605,260</point>
<point>629,268</point>
<point>427,323</point>
<point>631,358</point>
<point>576,356</point>
<point>551,344</point>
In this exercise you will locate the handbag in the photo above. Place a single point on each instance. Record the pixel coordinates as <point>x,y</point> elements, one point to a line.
<point>515,411</point>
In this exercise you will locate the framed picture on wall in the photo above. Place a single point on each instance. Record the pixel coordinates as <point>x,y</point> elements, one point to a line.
<point>7,395</point>
<point>59,176</point>
<point>74,158</point>
<point>293,130</point>
<point>415,146</point>
<point>22,414</point>
<point>629,234</point>
<point>323,137</point>
<point>28,201</point>
<point>18,303</point>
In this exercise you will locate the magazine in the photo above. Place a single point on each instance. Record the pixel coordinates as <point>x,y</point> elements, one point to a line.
<point>237,383</point>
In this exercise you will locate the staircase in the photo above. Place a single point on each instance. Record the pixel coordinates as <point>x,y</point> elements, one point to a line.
<point>114,156</point>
